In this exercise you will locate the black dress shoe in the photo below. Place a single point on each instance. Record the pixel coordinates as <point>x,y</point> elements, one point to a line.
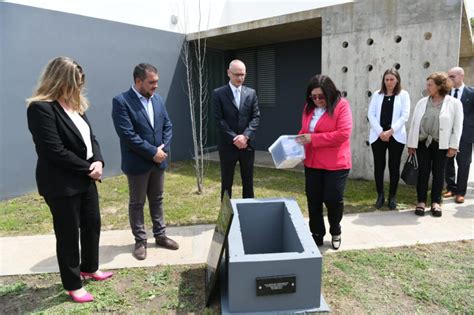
<point>392,203</point>
<point>380,201</point>
<point>140,250</point>
<point>336,241</point>
<point>166,242</point>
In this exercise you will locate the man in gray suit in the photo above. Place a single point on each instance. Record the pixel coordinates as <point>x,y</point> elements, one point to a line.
<point>237,116</point>
<point>465,94</point>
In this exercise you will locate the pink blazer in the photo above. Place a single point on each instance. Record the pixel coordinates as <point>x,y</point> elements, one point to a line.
<point>330,146</point>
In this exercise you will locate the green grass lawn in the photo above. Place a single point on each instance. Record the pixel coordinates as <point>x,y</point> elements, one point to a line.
<point>427,279</point>
<point>422,279</point>
<point>28,214</point>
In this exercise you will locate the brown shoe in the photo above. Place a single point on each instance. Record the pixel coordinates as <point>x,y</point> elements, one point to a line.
<point>459,199</point>
<point>448,194</point>
<point>166,242</point>
<point>140,250</point>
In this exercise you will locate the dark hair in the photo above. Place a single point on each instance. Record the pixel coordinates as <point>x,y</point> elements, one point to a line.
<point>332,94</point>
<point>141,69</point>
<point>397,89</point>
<point>442,81</point>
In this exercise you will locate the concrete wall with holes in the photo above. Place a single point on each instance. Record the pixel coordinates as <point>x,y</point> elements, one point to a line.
<point>361,40</point>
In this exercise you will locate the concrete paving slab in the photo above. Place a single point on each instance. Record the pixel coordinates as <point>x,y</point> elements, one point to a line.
<point>37,254</point>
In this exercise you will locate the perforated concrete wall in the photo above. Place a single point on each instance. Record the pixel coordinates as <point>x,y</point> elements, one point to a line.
<point>361,40</point>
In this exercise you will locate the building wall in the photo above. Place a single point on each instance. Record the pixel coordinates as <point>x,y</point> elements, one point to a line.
<point>429,41</point>
<point>157,14</point>
<point>108,51</point>
<point>468,65</point>
<point>296,63</point>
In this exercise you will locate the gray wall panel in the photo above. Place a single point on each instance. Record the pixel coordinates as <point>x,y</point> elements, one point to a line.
<point>108,51</point>
<point>296,63</point>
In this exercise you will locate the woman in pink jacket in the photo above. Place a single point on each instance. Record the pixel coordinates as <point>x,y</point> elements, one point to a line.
<point>325,132</point>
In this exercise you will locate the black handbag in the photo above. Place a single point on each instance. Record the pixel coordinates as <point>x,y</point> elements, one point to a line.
<point>410,170</point>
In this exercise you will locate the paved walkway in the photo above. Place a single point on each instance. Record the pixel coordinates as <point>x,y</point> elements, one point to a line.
<point>36,254</point>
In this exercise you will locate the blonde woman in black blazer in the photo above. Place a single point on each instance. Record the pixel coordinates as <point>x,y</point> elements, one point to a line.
<point>69,164</point>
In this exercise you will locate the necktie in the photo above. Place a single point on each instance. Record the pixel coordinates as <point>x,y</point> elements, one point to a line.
<point>237,97</point>
<point>456,93</point>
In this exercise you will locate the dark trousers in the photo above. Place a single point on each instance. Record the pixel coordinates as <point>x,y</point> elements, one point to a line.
<point>379,150</point>
<point>323,186</point>
<point>76,218</point>
<point>149,184</point>
<point>228,159</point>
<point>430,160</point>
<point>463,159</point>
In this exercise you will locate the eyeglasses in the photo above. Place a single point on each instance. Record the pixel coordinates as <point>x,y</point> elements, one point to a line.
<point>317,97</point>
<point>238,74</point>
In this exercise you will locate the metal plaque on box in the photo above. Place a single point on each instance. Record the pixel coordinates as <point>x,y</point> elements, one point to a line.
<point>219,239</point>
<point>276,285</point>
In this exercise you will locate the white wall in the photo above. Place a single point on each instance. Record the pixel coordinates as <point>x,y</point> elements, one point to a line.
<point>157,14</point>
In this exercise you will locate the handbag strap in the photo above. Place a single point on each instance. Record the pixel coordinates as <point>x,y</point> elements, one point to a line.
<point>413,161</point>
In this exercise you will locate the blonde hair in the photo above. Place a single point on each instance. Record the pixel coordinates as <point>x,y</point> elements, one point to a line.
<point>61,79</point>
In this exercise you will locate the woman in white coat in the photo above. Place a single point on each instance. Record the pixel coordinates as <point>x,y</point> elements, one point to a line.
<point>388,112</point>
<point>435,132</point>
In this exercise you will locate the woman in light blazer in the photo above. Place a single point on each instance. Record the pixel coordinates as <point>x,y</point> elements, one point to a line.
<point>388,112</point>
<point>435,132</point>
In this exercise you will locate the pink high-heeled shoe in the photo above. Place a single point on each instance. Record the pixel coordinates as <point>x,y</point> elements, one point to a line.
<point>81,299</point>
<point>103,276</point>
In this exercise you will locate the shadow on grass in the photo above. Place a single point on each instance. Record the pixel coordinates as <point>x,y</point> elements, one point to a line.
<point>192,293</point>
<point>33,299</point>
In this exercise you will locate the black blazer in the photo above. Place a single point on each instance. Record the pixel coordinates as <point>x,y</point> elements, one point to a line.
<point>232,121</point>
<point>62,169</point>
<point>467,100</point>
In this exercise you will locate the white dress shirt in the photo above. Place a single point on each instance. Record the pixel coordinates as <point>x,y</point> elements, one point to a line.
<point>84,130</point>
<point>146,102</point>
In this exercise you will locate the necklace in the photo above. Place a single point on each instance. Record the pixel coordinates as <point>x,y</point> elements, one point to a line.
<point>436,103</point>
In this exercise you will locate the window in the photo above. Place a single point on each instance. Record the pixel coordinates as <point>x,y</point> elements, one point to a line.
<point>260,64</point>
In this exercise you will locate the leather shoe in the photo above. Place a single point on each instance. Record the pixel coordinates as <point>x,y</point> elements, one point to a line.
<point>459,199</point>
<point>140,250</point>
<point>336,241</point>
<point>166,242</point>
<point>97,276</point>
<point>448,194</point>
<point>380,201</point>
<point>86,297</point>
<point>392,203</point>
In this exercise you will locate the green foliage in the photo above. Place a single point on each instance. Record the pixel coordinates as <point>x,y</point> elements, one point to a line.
<point>12,289</point>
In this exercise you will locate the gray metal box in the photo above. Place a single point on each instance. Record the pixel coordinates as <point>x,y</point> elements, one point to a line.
<point>273,262</point>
